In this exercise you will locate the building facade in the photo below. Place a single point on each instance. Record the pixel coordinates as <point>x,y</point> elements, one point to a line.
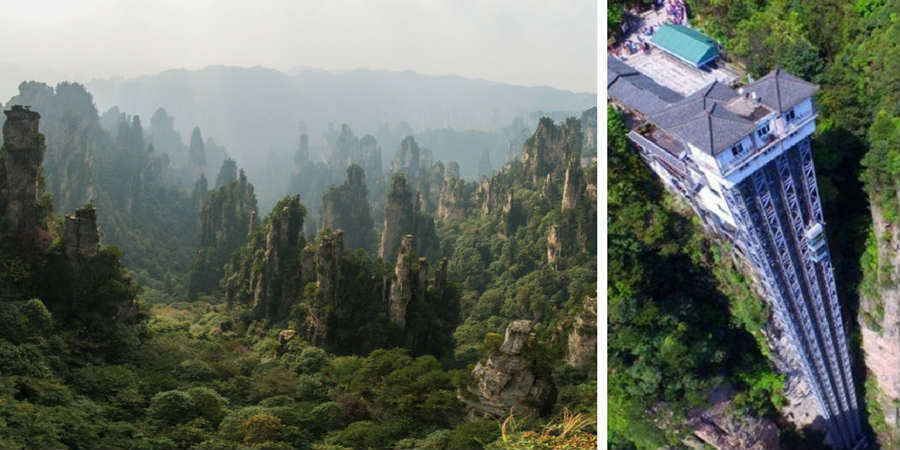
<point>742,159</point>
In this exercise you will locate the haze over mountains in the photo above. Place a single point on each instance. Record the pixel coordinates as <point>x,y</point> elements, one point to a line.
<point>250,110</point>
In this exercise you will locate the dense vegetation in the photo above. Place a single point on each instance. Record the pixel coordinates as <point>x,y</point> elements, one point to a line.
<point>85,365</point>
<point>681,318</point>
<point>119,169</point>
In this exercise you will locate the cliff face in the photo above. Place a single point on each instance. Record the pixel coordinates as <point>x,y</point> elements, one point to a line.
<point>227,173</point>
<point>399,217</point>
<point>364,152</point>
<point>343,302</point>
<point>401,291</point>
<point>370,160</point>
<point>506,380</point>
<point>430,189</point>
<point>879,320</point>
<point>75,279</point>
<point>453,203</point>
<point>547,150</point>
<point>328,266</point>
<point>589,128</point>
<point>347,208</point>
<point>198,195</point>
<point>24,156</point>
<point>582,342</point>
<point>402,216</point>
<point>270,272</point>
<point>280,282</point>
<point>72,139</point>
<point>573,187</point>
<point>81,237</point>
<point>196,155</point>
<point>411,159</point>
<point>423,175</point>
<point>224,224</point>
<point>491,194</point>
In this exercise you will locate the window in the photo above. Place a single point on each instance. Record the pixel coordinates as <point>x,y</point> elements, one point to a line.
<point>789,116</point>
<point>715,192</point>
<point>763,131</point>
<point>737,149</point>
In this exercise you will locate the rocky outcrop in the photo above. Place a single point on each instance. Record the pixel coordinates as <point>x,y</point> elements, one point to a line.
<point>345,150</point>
<point>224,221</point>
<point>347,208</point>
<point>506,381</point>
<point>430,187</point>
<point>284,336</point>
<point>548,189</point>
<point>452,171</point>
<point>370,160</point>
<point>485,169</point>
<point>453,203</point>
<point>491,194</point>
<point>589,128</point>
<point>227,173</point>
<point>402,286</point>
<point>69,278</point>
<point>402,216</point>
<point>399,217</point>
<point>24,151</point>
<point>335,299</point>
<point>198,195</point>
<point>81,236</point>
<point>801,408</point>
<point>280,282</point>
<point>548,149</point>
<point>408,158</point>
<point>328,266</point>
<point>416,291</point>
<point>556,237</point>
<point>582,343</point>
<point>591,188</point>
<point>426,177</point>
<point>718,427</point>
<point>73,139</point>
<point>573,186</point>
<point>196,155</point>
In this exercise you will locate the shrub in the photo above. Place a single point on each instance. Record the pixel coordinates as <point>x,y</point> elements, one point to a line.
<point>363,435</point>
<point>172,407</point>
<point>491,343</point>
<point>311,360</point>
<point>260,427</point>
<point>473,435</point>
<point>311,388</point>
<point>196,370</point>
<point>208,404</point>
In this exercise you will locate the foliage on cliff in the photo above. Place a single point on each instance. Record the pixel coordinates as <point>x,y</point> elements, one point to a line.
<point>675,332</point>
<point>225,220</point>
<point>140,211</point>
<point>346,207</point>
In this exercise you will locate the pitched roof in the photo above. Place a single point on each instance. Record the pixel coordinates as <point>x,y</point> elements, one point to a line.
<point>636,90</point>
<point>686,43</point>
<point>781,91</point>
<point>703,120</point>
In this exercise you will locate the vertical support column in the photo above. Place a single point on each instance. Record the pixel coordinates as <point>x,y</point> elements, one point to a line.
<point>816,299</point>
<point>782,259</point>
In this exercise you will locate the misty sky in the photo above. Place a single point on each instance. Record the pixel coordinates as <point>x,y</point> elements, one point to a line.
<point>522,42</point>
